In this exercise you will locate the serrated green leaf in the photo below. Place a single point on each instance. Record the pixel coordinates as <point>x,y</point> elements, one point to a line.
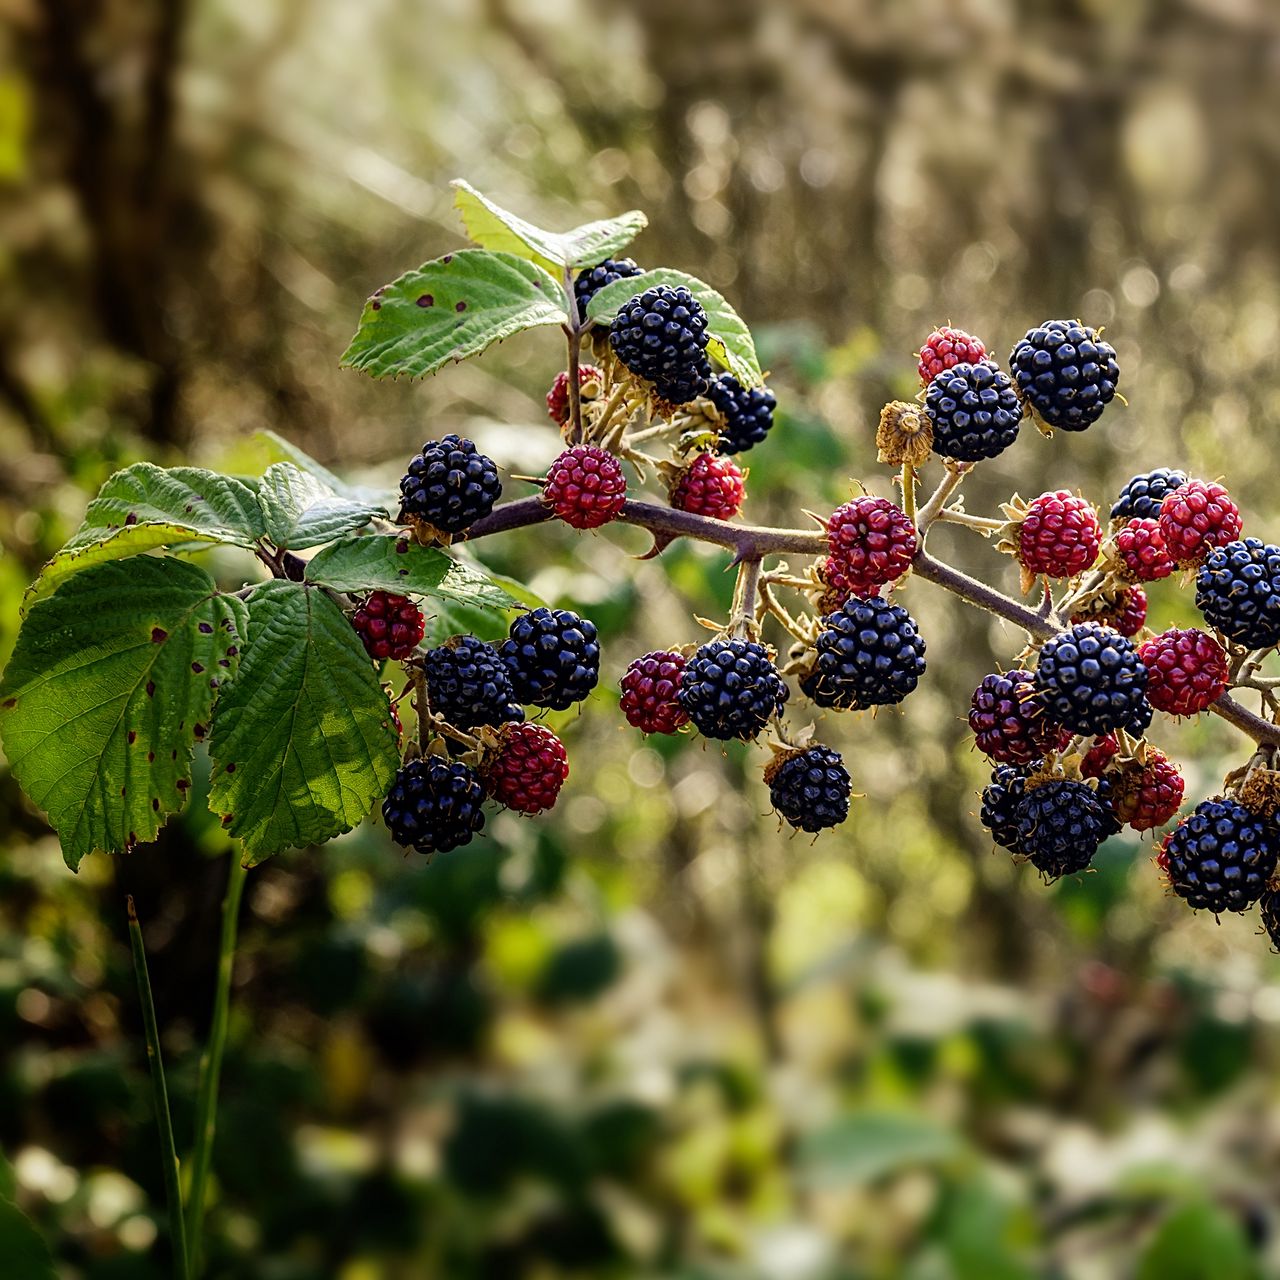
<point>494,227</point>
<point>394,562</point>
<point>303,744</point>
<point>730,342</point>
<point>282,450</point>
<point>451,309</point>
<point>302,511</point>
<point>145,507</point>
<point>23,1251</point>
<point>111,682</point>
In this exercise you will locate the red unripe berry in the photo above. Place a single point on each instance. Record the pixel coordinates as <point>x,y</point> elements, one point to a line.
<point>870,542</point>
<point>1096,759</point>
<point>649,688</point>
<point>946,347</point>
<point>1148,795</point>
<point>558,396</point>
<point>1186,671</point>
<point>528,770</point>
<point>1060,535</point>
<point>1124,612</point>
<point>1140,546</point>
<point>710,486</point>
<point>1009,722</point>
<point>388,626</point>
<point>1197,517</point>
<point>585,487</point>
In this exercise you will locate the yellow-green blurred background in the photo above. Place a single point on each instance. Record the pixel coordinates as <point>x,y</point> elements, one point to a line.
<point>649,1036</point>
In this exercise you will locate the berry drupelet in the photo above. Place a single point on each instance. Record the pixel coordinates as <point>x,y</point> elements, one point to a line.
<point>1238,592</point>
<point>810,788</point>
<point>974,410</point>
<point>661,336</point>
<point>450,485</point>
<point>869,542</point>
<point>1140,499</point>
<point>869,653</point>
<point>731,689</point>
<point>1065,372</point>
<point>527,770</point>
<point>1091,679</point>
<point>1059,535</point>
<point>1187,671</point>
<point>390,627</point>
<point>552,657</point>
<point>746,413</point>
<point>1009,722</point>
<point>468,684</point>
<point>945,348</point>
<point>434,805</point>
<point>710,486</point>
<point>1220,857</point>
<point>585,487</point>
<point>650,689</point>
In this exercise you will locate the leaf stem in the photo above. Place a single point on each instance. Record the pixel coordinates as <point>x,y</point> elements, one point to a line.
<point>909,491</point>
<point>211,1062</point>
<point>168,1153</point>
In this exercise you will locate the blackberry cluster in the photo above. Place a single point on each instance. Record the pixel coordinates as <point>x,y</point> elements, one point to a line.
<point>1091,679</point>
<point>1140,499</point>
<point>434,805</point>
<point>1238,592</point>
<point>468,684</point>
<point>1221,857</point>
<point>661,336</point>
<point>1009,722</point>
<point>746,413</point>
<point>869,653</point>
<point>450,485</point>
<point>731,689</point>
<point>552,657</point>
<point>1060,826</point>
<point>1066,373</point>
<point>593,279</point>
<point>974,410</point>
<point>810,788</point>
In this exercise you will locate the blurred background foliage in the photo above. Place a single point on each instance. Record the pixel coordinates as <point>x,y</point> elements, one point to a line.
<point>649,1036</point>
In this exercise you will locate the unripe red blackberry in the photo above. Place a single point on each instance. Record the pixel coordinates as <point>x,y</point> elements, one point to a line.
<point>1099,756</point>
<point>585,487</point>
<point>946,347</point>
<point>870,542</point>
<point>1221,856</point>
<point>710,485</point>
<point>390,627</point>
<point>1059,535</point>
<point>1124,610</point>
<point>1141,549</point>
<point>1060,826</point>
<point>1197,517</point>
<point>558,396</point>
<point>1187,670</point>
<point>434,805</point>
<point>1147,794</point>
<point>809,788</point>
<point>1009,721</point>
<point>528,768</point>
<point>650,689</point>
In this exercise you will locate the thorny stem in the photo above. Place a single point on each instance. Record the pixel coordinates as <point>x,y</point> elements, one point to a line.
<point>754,542</point>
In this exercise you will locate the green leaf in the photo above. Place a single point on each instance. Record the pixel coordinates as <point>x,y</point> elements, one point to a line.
<point>866,1145</point>
<point>449,618</point>
<point>23,1251</point>
<point>494,227</point>
<point>302,511</point>
<point>282,450</point>
<point>1198,1242</point>
<point>111,682</point>
<point>731,343</point>
<point>451,309</point>
<point>303,744</point>
<point>394,562</point>
<point>144,507</point>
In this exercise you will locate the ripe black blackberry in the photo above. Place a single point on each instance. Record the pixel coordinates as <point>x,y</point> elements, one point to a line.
<point>746,413</point>
<point>661,336</point>
<point>1140,499</point>
<point>434,805</point>
<point>1238,592</point>
<point>1091,679</point>
<point>731,689</point>
<point>1000,800</point>
<point>1066,372</point>
<point>869,653</point>
<point>1060,826</point>
<point>810,788</point>
<point>449,485</point>
<point>469,685</point>
<point>552,656</point>
<point>592,279</point>
<point>1220,857</point>
<point>1269,907</point>
<point>974,410</point>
